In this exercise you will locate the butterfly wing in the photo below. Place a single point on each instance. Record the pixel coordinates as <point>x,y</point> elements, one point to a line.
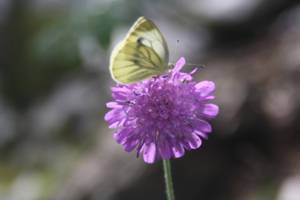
<point>143,53</point>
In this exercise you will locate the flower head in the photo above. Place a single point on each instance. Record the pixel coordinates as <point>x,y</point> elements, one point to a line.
<point>163,116</point>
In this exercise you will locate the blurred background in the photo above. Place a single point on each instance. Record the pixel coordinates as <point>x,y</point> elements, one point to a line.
<point>54,83</point>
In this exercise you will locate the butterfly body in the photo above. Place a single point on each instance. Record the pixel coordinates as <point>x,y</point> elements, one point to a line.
<point>143,53</point>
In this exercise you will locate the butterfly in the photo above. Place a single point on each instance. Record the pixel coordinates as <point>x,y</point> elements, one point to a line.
<point>143,53</point>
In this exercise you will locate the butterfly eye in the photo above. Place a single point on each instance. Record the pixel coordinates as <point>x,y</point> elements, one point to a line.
<point>140,40</point>
<point>144,42</point>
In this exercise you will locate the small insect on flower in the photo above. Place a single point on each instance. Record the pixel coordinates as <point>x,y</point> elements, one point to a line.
<point>163,116</point>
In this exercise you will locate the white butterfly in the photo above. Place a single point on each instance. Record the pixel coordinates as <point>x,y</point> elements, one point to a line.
<point>141,54</point>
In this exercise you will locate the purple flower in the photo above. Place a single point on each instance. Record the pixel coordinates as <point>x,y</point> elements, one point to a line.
<point>163,116</point>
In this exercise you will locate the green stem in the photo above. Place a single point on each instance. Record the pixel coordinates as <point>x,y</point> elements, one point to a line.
<point>168,180</point>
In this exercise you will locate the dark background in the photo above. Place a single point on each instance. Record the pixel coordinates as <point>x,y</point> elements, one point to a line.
<point>54,83</point>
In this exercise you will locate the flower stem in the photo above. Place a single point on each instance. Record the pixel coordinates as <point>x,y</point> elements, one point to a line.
<point>168,180</point>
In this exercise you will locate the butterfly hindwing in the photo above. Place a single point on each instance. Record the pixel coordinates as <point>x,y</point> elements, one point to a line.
<point>143,53</point>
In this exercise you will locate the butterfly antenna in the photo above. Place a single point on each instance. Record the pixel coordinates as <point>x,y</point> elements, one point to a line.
<point>176,48</point>
<point>175,54</point>
<point>196,65</point>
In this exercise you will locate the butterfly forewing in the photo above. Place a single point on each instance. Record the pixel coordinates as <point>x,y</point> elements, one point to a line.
<point>143,53</point>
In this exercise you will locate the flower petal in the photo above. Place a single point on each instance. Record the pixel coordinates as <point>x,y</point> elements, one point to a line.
<point>201,134</point>
<point>211,97</point>
<point>149,153</point>
<point>120,93</point>
<point>179,64</point>
<point>122,135</point>
<point>201,125</point>
<point>113,104</point>
<point>210,110</point>
<point>205,88</point>
<point>130,145</point>
<point>178,150</point>
<point>114,117</point>
<point>193,71</point>
<point>194,141</point>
